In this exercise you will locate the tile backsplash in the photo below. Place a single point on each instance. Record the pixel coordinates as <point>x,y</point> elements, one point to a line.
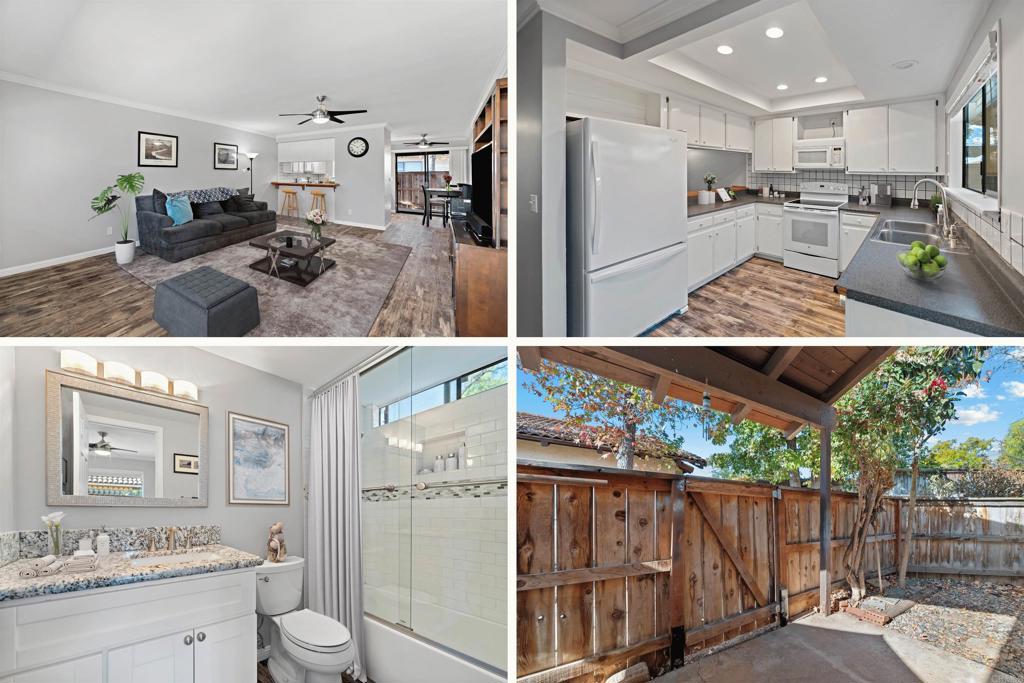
<point>1004,234</point>
<point>902,185</point>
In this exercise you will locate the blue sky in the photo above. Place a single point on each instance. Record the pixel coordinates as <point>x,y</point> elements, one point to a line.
<point>986,412</point>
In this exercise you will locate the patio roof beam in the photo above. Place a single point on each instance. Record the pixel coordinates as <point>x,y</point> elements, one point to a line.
<point>792,430</point>
<point>776,365</point>
<point>857,372</point>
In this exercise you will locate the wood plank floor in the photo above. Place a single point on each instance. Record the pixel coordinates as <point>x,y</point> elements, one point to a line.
<point>94,298</point>
<point>760,298</point>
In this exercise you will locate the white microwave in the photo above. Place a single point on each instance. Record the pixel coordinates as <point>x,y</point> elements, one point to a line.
<point>825,153</point>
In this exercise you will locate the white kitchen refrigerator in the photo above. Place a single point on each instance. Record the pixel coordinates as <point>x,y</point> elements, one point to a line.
<point>626,219</point>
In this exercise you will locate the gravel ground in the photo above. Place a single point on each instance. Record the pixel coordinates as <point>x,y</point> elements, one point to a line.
<point>981,621</point>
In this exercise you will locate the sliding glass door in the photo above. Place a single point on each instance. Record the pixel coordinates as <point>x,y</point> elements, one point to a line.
<point>414,170</point>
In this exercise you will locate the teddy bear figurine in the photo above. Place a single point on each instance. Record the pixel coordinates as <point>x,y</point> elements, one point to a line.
<point>276,548</point>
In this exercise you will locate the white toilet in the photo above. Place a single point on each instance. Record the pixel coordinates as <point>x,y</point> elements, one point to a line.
<point>305,647</point>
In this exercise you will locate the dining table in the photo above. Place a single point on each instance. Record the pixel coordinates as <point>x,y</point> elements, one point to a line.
<point>446,193</point>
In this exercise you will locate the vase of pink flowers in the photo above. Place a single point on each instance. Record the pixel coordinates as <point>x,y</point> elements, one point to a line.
<point>315,219</point>
<point>447,181</point>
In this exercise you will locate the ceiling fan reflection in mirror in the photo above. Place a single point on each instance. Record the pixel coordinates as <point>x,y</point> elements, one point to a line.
<point>423,144</point>
<point>104,447</point>
<point>322,114</point>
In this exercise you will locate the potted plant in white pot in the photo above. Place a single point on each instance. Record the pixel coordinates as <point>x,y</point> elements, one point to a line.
<point>707,196</point>
<point>108,198</point>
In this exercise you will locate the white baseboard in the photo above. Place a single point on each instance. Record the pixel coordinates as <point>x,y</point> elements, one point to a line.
<point>24,268</point>
<point>364,225</point>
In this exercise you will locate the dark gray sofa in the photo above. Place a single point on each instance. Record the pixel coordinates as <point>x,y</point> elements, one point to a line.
<point>159,236</point>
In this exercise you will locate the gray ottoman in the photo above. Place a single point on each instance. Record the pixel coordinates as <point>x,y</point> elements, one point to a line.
<point>206,303</point>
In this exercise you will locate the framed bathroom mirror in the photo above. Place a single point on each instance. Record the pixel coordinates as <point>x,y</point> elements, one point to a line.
<point>109,444</point>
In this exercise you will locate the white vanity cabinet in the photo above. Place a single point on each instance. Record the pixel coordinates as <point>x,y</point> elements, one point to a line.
<point>194,629</point>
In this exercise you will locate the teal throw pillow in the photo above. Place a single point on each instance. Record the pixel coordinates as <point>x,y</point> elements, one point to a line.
<point>179,209</point>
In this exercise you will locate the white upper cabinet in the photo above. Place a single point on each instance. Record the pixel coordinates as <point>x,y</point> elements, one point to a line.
<point>712,127</point>
<point>912,137</point>
<point>739,135</point>
<point>763,145</point>
<point>782,144</point>
<point>685,115</point>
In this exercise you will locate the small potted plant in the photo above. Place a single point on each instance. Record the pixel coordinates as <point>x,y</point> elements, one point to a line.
<point>447,181</point>
<point>708,196</point>
<point>107,199</point>
<point>53,530</point>
<point>315,219</point>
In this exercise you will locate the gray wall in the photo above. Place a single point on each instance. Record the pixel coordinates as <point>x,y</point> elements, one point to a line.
<point>223,385</point>
<point>7,439</point>
<point>729,167</point>
<point>58,151</point>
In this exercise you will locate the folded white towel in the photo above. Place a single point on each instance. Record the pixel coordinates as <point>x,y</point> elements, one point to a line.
<point>79,570</point>
<point>41,562</point>
<point>85,553</point>
<point>85,562</point>
<point>28,573</point>
<point>51,569</point>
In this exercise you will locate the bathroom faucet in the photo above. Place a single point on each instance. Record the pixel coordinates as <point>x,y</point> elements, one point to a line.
<point>946,225</point>
<point>172,537</point>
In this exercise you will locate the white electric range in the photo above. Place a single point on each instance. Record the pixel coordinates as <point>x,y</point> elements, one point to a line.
<point>810,228</point>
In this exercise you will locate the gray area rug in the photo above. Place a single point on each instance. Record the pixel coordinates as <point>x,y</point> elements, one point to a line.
<point>343,302</point>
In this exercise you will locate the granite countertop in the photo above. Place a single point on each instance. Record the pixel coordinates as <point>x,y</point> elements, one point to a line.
<point>978,293</point>
<point>117,570</point>
<point>696,210</point>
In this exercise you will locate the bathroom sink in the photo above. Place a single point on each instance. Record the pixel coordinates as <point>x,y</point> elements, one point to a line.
<point>178,558</point>
<point>906,232</point>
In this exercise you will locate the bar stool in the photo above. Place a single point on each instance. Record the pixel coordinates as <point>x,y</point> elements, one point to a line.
<point>318,201</point>
<point>290,205</point>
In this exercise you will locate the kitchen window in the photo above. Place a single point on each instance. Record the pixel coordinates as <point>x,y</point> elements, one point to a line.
<point>981,140</point>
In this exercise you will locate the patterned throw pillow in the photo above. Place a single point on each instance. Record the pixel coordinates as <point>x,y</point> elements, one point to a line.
<point>179,209</point>
<point>211,194</point>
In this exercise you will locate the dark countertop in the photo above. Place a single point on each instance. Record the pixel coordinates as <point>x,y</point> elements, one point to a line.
<point>280,183</point>
<point>695,210</point>
<point>977,293</point>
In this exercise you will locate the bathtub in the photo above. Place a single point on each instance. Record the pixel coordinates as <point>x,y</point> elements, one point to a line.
<point>473,649</point>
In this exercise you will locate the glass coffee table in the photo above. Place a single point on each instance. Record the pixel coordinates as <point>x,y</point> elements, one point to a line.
<point>293,256</point>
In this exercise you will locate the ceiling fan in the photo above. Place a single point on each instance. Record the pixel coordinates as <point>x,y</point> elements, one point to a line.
<point>322,114</point>
<point>423,144</point>
<point>104,447</point>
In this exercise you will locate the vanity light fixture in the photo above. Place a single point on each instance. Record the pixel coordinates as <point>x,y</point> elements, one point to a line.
<point>118,372</point>
<point>154,381</point>
<point>782,86</point>
<point>724,50</point>
<point>184,389</point>
<point>775,33</point>
<point>821,79</point>
<point>76,361</point>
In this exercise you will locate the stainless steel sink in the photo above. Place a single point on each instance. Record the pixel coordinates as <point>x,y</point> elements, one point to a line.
<point>906,232</point>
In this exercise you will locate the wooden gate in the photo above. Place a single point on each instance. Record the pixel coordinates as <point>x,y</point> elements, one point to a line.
<point>595,567</point>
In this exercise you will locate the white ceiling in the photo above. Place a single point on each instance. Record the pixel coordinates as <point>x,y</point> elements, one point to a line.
<point>622,21</point>
<point>310,366</point>
<point>854,44</point>
<point>417,65</point>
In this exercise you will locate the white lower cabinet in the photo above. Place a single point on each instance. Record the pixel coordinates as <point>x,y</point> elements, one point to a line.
<point>721,241</point>
<point>701,248</point>
<point>769,230</point>
<point>746,237</point>
<point>850,239</point>
<point>725,247</point>
<point>195,629</point>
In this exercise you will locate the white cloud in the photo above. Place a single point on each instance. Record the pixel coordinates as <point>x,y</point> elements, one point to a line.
<point>1014,388</point>
<point>974,391</point>
<point>1000,397</point>
<point>979,413</point>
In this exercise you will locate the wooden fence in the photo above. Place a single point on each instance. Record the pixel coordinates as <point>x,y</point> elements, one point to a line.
<point>409,191</point>
<point>619,567</point>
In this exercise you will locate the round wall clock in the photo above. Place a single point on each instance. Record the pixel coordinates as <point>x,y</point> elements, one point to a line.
<point>358,147</point>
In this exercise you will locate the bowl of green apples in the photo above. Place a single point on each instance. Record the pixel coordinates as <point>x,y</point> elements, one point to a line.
<point>923,261</point>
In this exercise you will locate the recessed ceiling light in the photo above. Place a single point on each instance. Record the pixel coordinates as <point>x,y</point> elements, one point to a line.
<point>775,32</point>
<point>821,79</point>
<point>782,86</point>
<point>905,64</point>
<point>724,50</point>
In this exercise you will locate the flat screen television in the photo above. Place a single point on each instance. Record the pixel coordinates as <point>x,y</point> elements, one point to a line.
<point>481,195</point>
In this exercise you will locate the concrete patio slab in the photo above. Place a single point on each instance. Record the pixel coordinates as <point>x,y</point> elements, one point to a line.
<point>835,649</point>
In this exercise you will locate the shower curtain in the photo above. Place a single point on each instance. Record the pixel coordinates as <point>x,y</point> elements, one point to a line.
<point>334,549</point>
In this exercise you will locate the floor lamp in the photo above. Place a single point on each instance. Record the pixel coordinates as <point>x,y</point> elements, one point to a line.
<point>251,155</point>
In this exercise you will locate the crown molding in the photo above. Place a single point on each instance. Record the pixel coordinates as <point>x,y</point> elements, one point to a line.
<point>108,99</point>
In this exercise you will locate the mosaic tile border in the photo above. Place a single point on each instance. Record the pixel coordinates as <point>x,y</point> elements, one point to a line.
<point>436,492</point>
<point>36,543</point>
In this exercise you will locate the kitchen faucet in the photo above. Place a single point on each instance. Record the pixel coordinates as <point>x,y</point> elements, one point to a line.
<point>946,225</point>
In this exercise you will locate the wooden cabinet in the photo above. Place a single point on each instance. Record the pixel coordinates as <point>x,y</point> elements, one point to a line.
<point>712,127</point>
<point>84,670</point>
<point>769,230</point>
<point>480,286</point>
<point>739,134</point>
<point>700,256</point>
<point>912,135</point>
<point>773,145</point>
<point>685,115</point>
<point>867,140</point>
<point>746,237</point>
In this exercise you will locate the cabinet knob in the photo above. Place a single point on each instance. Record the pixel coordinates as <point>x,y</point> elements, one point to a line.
<point>200,636</point>
<point>188,639</point>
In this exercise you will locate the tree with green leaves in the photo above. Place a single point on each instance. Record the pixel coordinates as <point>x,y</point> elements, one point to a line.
<point>970,454</point>
<point>612,415</point>
<point>761,453</point>
<point>1011,454</point>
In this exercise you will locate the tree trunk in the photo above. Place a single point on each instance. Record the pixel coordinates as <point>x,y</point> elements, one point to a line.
<point>794,478</point>
<point>625,454</point>
<point>908,536</point>
<point>878,560</point>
